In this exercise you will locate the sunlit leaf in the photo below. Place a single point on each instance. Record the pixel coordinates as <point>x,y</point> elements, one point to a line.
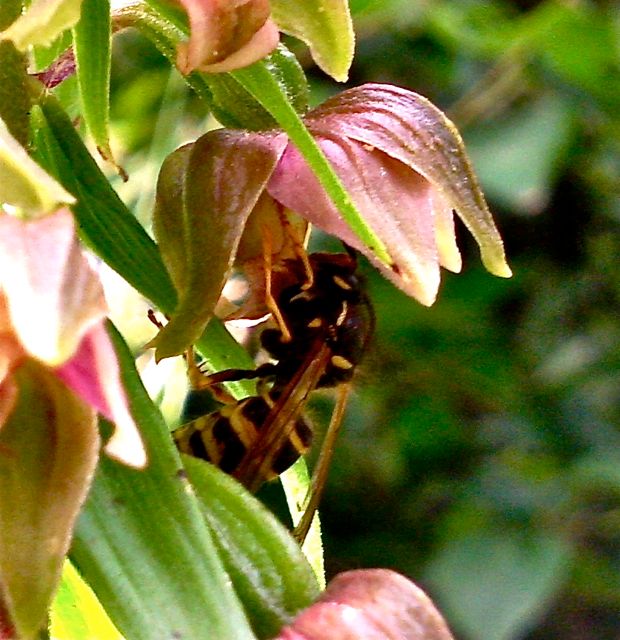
<point>325,26</point>
<point>76,614</point>
<point>43,22</point>
<point>23,183</point>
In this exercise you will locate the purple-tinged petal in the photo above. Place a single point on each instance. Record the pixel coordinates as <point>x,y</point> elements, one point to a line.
<point>199,218</point>
<point>411,129</point>
<point>395,202</point>
<point>61,69</point>
<point>93,374</point>
<point>54,297</point>
<point>373,604</point>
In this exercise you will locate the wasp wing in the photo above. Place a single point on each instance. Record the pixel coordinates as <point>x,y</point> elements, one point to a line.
<point>281,422</point>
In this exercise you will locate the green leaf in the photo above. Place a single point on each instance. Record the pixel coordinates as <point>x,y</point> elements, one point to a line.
<point>40,502</point>
<point>23,183</point>
<point>76,613</point>
<point>92,40</point>
<point>325,26</point>
<point>142,543</point>
<point>42,23</point>
<point>105,223</point>
<point>494,586</point>
<point>258,81</point>
<point>266,566</point>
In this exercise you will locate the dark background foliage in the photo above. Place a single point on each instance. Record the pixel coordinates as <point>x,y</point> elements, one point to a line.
<point>481,454</point>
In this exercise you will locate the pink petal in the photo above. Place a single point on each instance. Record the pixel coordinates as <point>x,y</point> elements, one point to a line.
<point>411,129</point>
<point>395,202</point>
<point>53,295</point>
<point>94,375</point>
<point>373,604</point>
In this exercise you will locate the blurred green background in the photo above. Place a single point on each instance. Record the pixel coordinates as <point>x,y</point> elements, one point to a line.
<point>481,454</point>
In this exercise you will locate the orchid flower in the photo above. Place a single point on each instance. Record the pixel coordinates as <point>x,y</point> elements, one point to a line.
<point>374,604</point>
<point>58,370</point>
<point>401,160</point>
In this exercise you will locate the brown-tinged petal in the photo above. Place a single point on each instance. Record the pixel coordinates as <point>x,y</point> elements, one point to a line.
<point>285,234</point>
<point>93,373</point>
<point>168,215</point>
<point>48,453</point>
<point>54,296</point>
<point>373,604</point>
<point>226,173</point>
<point>226,34</point>
<point>263,42</point>
<point>411,129</point>
<point>395,202</point>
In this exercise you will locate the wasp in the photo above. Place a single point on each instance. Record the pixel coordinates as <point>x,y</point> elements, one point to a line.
<point>324,321</point>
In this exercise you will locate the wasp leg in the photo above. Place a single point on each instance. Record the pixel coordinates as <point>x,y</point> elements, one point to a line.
<point>299,248</point>
<point>270,301</point>
<point>319,475</point>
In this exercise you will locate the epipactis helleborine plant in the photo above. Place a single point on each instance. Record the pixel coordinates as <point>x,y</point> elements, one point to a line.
<point>401,160</point>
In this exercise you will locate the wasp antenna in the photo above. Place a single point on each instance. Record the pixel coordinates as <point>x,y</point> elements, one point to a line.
<point>319,475</point>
